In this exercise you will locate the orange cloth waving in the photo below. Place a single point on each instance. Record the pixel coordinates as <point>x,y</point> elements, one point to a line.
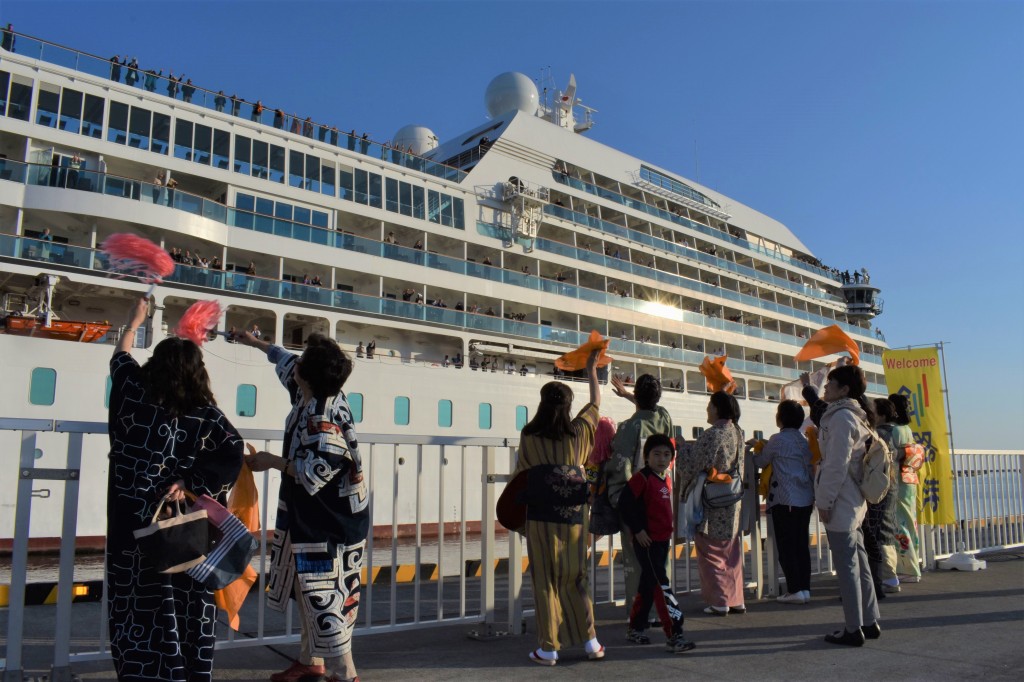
<point>826,342</point>
<point>243,502</point>
<point>717,375</point>
<point>577,359</point>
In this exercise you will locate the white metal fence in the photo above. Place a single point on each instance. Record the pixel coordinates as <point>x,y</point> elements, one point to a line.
<point>471,574</point>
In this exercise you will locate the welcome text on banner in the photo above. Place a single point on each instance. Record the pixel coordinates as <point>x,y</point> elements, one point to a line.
<point>916,373</point>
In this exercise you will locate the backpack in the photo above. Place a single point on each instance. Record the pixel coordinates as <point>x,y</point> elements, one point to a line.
<point>875,481</point>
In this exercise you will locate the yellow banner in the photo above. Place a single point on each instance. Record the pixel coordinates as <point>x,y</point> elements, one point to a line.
<point>916,373</point>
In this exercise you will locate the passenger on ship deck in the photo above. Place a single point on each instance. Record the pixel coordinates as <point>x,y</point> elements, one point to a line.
<point>841,506</point>
<point>220,100</point>
<point>718,540</point>
<point>166,436</point>
<point>323,518</point>
<point>627,458</point>
<point>553,450</point>
<point>360,351</point>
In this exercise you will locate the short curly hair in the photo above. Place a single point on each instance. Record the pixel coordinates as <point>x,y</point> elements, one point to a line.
<point>324,366</point>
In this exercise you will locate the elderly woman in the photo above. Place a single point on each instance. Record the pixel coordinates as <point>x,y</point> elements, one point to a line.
<point>322,517</point>
<point>845,430</point>
<point>719,547</point>
<point>166,436</point>
<point>553,449</point>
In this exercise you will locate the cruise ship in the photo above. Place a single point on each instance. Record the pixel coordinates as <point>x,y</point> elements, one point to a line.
<point>455,271</point>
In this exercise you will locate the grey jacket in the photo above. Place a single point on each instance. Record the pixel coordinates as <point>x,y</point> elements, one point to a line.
<point>844,437</point>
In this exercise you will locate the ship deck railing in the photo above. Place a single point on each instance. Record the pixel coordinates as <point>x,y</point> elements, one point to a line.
<point>71,258</point>
<point>628,202</point>
<point>83,62</point>
<point>429,479</point>
<point>137,190</point>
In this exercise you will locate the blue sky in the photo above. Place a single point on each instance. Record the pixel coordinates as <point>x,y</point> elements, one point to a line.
<point>884,134</point>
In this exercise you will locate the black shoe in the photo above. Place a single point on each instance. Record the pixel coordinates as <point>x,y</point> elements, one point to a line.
<point>738,609</point>
<point>873,631</point>
<point>847,638</point>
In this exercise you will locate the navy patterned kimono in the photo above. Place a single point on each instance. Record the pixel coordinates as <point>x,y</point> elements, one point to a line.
<point>161,625</point>
<point>322,517</point>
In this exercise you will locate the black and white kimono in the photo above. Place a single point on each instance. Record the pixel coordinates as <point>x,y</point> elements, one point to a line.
<point>322,517</point>
<point>161,626</point>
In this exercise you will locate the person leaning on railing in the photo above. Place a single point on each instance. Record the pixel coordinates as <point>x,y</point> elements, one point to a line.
<point>167,435</point>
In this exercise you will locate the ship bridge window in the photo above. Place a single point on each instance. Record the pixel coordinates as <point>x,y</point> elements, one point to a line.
<point>139,124</point>
<point>243,151</point>
<point>161,142</point>
<point>117,123</point>
<point>47,105</point>
<point>245,400</point>
<point>221,148</point>
<point>368,189</point>
<point>92,117</point>
<point>43,386</point>
<point>5,84</point>
<point>19,104</point>
<point>70,110</point>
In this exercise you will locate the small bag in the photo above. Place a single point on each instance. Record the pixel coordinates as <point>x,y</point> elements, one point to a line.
<point>177,543</point>
<point>232,548</point>
<point>875,482</point>
<point>721,495</point>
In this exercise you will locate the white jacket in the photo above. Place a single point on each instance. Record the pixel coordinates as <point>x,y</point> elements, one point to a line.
<point>844,442</point>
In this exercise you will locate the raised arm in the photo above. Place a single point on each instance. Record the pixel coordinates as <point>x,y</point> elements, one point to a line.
<point>595,387</point>
<point>136,317</point>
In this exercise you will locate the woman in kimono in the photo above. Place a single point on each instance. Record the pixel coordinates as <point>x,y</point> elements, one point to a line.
<point>553,449</point>
<point>323,515</point>
<point>166,436</point>
<point>718,540</point>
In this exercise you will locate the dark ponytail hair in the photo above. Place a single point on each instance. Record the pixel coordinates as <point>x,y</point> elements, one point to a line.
<point>902,407</point>
<point>885,410</point>
<point>175,377</point>
<point>853,378</point>
<point>553,419</point>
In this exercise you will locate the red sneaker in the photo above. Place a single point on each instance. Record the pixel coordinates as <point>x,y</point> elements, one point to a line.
<point>296,672</point>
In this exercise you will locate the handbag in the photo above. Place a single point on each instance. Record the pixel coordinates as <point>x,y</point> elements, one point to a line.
<point>232,547</point>
<point>177,543</point>
<point>720,495</point>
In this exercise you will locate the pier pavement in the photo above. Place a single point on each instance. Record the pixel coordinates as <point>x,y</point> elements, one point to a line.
<point>951,626</point>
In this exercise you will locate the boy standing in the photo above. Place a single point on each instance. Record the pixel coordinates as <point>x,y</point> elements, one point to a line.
<point>646,507</point>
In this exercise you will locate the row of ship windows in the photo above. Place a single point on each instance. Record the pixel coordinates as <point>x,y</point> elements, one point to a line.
<point>43,391</point>
<point>140,128</point>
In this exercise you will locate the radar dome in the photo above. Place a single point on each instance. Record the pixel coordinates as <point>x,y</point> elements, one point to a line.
<point>420,138</point>
<point>511,91</point>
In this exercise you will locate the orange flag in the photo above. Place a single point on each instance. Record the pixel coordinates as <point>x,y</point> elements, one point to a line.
<point>243,502</point>
<point>577,359</point>
<point>717,375</point>
<point>826,342</point>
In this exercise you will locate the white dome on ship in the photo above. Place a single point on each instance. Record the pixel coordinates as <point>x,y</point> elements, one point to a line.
<point>421,138</point>
<point>510,91</point>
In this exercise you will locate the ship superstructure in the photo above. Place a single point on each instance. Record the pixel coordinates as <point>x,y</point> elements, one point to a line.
<point>471,264</point>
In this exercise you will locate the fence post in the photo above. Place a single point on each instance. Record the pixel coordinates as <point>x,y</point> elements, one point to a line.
<point>60,671</point>
<point>487,511</point>
<point>515,572</point>
<point>19,559</point>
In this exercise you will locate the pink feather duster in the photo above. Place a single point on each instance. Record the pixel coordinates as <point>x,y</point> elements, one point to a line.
<point>198,320</point>
<point>132,255</point>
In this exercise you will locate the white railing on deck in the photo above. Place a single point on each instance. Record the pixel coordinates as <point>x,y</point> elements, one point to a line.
<point>468,475</point>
